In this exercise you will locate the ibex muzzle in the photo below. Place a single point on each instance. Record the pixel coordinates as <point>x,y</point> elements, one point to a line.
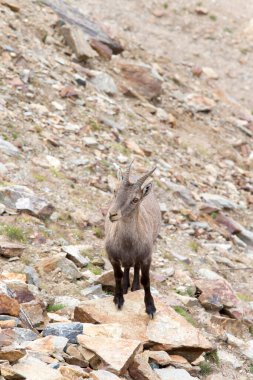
<point>132,225</point>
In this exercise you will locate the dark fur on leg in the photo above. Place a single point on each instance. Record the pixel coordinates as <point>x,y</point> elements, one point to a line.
<point>126,280</point>
<point>118,295</point>
<point>148,299</point>
<point>136,281</point>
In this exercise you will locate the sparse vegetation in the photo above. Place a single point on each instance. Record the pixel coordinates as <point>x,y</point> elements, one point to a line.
<point>213,357</point>
<point>180,310</point>
<point>213,17</point>
<point>244,297</point>
<point>205,368</point>
<point>194,246</point>
<point>55,307</point>
<point>98,232</point>
<point>94,269</point>
<point>251,368</point>
<point>13,233</point>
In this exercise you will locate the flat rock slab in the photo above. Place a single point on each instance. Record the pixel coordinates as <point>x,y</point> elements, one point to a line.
<point>74,253</point>
<point>67,330</point>
<point>16,335</point>
<point>167,331</point>
<point>11,354</point>
<point>49,344</point>
<point>103,375</point>
<point>32,368</point>
<point>219,201</point>
<point>8,249</point>
<point>117,353</point>
<point>173,374</point>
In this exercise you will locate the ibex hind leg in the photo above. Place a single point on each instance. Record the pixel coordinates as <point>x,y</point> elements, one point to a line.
<point>126,280</point>
<point>148,299</point>
<point>118,295</point>
<point>136,281</point>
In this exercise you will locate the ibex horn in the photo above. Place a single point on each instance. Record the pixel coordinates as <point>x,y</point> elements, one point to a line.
<point>127,173</point>
<point>141,180</point>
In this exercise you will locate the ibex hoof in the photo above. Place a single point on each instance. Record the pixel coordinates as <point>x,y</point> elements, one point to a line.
<point>119,301</point>
<point>150,310</point>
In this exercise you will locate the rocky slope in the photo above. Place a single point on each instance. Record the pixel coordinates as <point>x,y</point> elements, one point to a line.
<point>74,108</point>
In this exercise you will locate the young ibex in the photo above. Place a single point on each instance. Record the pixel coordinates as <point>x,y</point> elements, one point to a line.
<point>131,226</point>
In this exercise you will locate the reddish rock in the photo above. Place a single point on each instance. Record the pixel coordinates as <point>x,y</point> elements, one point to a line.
<point>34,311</point>
<point>11,354</point>
<point>139,79</point>
<point>8,249</point>
<point>9,305</point>
<point>216,294</point>
<point>103,50</point>
<point>140,368</point>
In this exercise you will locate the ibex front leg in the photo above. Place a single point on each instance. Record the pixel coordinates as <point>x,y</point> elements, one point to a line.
<point>136,281</point>
<point>118,295</point>
<point>148,299</point>
<point>126,280</point>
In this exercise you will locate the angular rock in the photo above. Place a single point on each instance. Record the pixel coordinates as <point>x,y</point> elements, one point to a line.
<point>12,276</point>
<point>199,103</point>
<point>74,254</point>
<point>107,280</point>
<point>218,201</point>
<point>93,291</point>
<point>21,198</point>
<point>77,41</point>
<point>9,306</point>
<point>140,368</point>
<point>103,375</point>
<point>10,374</point>
<point>67,301</point>
<point>73,373</point>
<point>8,249</point>
<point>50,344</point>
<point>11,354</point>
<point>21,291</point>
<point>8,148</point>
<point>216,294</point>
<point>16,335</point>
<point>103,50</point>
<point>30,367</point>
<point>173,373</point>
<point>11,4</point>
<point>67,330</point>
<point>34,312</point>
<point>167,331</point>
<point>181,191</point>
<point>161,358</point>
<point>67,267</point>
<point>117,353</point>
<point>105,83</point>
<point>140,79</point>
<point>8,322</point>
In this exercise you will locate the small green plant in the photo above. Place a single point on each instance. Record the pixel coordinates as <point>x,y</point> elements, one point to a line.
<point>244,297</point>
<point>213,17</point>
<point>194,246</point>
<point>214,214</point>
<point>95,125</point>
<point>180,310</point>
<point>98,232</point>
<point>165,5</point>
<point>13,233</point>
<point>187,292</point>
<point>251,330</point>
<point>55,307</point>
<point>213,357</point>
<point>205,368</point>
<point>251,368</point>
<point>94,269</point>
<point>39,177</point>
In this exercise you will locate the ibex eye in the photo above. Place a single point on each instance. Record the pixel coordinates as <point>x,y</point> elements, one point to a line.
<point>135,200</point>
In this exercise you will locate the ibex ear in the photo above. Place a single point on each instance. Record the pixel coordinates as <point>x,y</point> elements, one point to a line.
<point>146,189</point>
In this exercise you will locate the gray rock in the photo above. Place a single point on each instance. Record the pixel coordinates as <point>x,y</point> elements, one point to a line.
<point>32,276</point>
<point>67,330</point>
<point>69,269</point>
<point>9,318</point>
<point>3,168</point>
<point>93,291</point>
<point>181,191</point>
<point>104,82</point>
<point>8,148</point>
<point>74,254</point>
<point>23,335</point>
<point>246,236</point>
<point>22,198</point>
<point>218,201</point>
<point>173,373</point>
